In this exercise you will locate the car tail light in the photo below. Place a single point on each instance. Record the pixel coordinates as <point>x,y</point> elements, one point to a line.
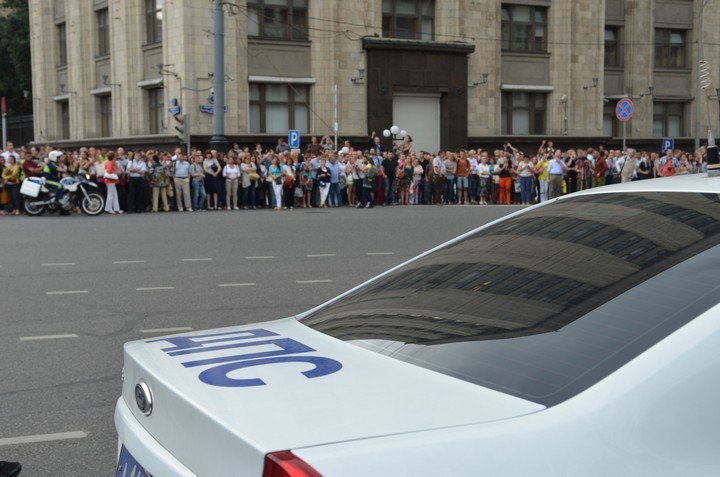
<point>287,464</point>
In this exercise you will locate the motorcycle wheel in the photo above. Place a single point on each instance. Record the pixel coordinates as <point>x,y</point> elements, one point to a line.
<point>93,204</point>
<point>33,210</point>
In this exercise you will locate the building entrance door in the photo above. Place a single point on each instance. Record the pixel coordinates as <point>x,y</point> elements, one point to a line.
<point>419,115</point>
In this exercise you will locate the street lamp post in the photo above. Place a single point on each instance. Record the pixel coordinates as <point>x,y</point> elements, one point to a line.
<point>395,131</point>
<point>219,140</point>
<point>697,72</point>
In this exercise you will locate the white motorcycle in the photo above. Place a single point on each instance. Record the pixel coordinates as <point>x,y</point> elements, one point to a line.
<point>77,192</point>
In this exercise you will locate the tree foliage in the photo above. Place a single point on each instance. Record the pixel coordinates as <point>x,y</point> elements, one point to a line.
<point>15,65</point>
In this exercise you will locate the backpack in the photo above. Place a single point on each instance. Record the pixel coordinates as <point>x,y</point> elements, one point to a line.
<point>668,169</point>
<point>370,175</point>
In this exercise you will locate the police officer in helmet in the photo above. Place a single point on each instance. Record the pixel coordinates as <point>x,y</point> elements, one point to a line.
<point>51,173</point>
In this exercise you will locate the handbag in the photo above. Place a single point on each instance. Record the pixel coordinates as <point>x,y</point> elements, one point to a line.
<point>110,176</point>
<point>253,176</point>
<point>298,192</point>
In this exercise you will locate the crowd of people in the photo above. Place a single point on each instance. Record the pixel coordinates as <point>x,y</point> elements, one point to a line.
<point>325,176</point>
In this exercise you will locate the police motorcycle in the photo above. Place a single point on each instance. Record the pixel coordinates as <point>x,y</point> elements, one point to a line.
<point>43,194</point>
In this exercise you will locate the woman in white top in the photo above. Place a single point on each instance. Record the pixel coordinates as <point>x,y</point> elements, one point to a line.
<point>483,171</point>
<point>248,188</point>
<point>231,173</point>
<point>416,187</point>
<point>525,170</point>
<point>288,187</point>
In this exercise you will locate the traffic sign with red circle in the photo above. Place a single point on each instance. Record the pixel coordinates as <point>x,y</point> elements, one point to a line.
<point>624,109</point>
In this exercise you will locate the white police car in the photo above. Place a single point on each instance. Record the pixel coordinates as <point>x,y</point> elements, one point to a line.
<point>578,337</point>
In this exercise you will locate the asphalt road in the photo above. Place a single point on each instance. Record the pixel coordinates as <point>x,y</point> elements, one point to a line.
<point>74,289</point>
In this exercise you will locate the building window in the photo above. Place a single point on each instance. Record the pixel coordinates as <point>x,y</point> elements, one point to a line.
<point>668,119</point>
<point>156,106</point>
<point>103,26</point>
<point>62,44</point>
<point>408,19</point>
<point>611,124</point>
<point>64,119</point>
<point>523,28</point>
<point>105,116</point>
<point>670,48</point>
<point>277,108</point>
<point>613,53</point>
<point>278,19</point>
<point>523,113</point>
<point>153,20</point>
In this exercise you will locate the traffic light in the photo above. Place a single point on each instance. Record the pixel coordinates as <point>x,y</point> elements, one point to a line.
<point>182,129</point>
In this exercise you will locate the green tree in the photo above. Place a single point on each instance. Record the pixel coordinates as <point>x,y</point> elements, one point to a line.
<point>15,66</point>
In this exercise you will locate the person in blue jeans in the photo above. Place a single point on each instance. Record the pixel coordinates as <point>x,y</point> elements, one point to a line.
<point>334,167</point>
<point>197,184</point>
<point>525,170</point>
<point>450,170</point>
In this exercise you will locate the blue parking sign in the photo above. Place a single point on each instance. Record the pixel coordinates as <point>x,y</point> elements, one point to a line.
<point>294,139</point>
<point>668,144</point>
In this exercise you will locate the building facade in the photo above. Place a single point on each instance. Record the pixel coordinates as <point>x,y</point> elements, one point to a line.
<point>452,73</point>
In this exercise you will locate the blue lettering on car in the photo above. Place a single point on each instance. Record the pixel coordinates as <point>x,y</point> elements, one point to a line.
<point>287,350</point>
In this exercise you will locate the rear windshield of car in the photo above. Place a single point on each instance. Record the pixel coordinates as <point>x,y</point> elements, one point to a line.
<point>545,304</point>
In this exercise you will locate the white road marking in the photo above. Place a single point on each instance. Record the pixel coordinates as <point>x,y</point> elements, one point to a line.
<point>154,288</point>
<point>68,264</point>
<point>60,436</point>
<point>236,285</point>
<point>380,253</point>
<point>125,262</point>
<point>313,281</point>
<point>317,255</point>
<point>197,259</point>
<point>48,337</point>
<point>67,292</point>
<point>167,330</point>
<point>260,257</point>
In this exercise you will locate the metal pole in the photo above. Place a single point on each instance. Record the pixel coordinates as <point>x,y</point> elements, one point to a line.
<point>336,118</point>
<point>697,71</point>
<point>3,110</point>
<point>187,135</point>
<point>624,131</point>
<point>219,141</point>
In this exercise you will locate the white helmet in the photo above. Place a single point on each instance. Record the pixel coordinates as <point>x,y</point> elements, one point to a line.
<point>55,155</point>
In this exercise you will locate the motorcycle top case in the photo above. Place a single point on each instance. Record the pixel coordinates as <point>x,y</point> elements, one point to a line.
<point>30,188</point>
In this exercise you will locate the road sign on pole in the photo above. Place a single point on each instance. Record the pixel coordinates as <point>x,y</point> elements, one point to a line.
<point>667,144</point>
<point>294,139</point>
<point>624,109</point>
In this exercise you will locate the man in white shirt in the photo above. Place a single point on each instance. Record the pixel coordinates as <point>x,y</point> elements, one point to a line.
<point>10,151</point>
<point>136,186</point>
<point>556,169</point>
<point>438,165</point>
<point>627,165</point>
<point>474,179</point>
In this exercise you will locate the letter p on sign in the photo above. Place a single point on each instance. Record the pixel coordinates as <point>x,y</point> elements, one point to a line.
<point>294,139</point>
